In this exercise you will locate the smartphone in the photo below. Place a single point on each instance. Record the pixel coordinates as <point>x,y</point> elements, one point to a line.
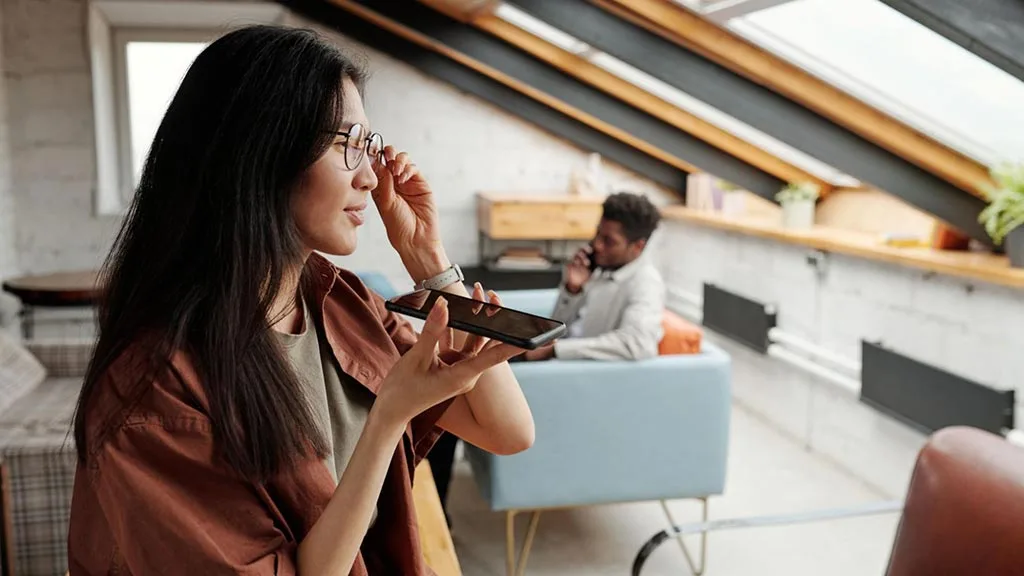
<point>513,327</point>
<point>590,257</point>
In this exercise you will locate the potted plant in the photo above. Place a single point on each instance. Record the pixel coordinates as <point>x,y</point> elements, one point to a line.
<point>797,200</point>
<point>1005,212</point>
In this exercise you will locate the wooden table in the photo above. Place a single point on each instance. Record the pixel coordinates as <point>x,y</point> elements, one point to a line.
<point>435,538</point>
<point>77,289</point>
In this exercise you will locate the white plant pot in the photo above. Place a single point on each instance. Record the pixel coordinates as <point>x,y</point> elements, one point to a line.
<point>798,215</point>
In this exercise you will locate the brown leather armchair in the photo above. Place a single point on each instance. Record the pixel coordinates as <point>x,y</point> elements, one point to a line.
<point>964,513</point>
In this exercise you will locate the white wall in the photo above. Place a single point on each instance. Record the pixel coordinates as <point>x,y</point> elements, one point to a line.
<point>871,446</point>
<point>51,136</point>
<point>971,329</point>
<point>8,255</point>
<point>461,143</point>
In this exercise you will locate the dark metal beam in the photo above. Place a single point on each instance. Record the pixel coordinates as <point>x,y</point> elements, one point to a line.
<point>511,60</point>
<point>763,109</point>
<point>537,74</point>
<point>991,29</point>
<point>490,90</point>
<point>724,10</point>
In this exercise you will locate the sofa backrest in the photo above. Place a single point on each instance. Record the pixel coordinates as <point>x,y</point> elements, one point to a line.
<point>964,513</point>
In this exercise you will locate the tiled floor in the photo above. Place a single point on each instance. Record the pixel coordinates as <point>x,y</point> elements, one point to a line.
<point>768,474</point>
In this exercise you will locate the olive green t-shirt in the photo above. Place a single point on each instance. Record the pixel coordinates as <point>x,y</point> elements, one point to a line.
<point>339,404</point>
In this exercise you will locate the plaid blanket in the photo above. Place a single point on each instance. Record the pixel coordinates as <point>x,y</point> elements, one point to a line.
<point>37,471</point>
<point>62,357</point>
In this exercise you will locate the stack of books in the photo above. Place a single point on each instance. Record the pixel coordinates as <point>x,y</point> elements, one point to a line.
<point>522,259</point>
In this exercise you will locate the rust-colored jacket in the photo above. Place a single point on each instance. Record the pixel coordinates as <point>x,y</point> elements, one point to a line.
<point>154,499</point>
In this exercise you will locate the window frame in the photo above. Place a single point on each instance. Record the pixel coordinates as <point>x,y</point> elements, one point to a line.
<point>898,104</point>
<point>122,37</point>
<point>112,24</point>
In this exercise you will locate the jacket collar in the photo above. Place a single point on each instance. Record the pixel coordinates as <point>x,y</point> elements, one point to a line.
<point>626,272</point>
<point>324,273</point>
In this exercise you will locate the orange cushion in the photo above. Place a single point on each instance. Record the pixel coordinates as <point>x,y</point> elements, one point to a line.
<point>681,336</point>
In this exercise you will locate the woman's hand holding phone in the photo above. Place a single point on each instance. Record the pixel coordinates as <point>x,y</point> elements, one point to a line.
<point>435,369</point>
<point>578,271</point>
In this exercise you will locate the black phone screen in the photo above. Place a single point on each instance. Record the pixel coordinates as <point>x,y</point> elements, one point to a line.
<point>482,318</point>
<point>590,258</point>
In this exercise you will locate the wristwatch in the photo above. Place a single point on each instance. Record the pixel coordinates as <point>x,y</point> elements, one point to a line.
<point>442,280</point>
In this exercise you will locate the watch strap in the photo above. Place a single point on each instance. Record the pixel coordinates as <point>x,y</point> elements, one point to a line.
<point>442,280</point>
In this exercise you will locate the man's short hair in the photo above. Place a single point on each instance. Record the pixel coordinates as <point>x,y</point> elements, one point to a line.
<point>634,212</point>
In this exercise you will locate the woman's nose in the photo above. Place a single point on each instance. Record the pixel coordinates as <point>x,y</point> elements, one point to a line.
<point>365,179</point>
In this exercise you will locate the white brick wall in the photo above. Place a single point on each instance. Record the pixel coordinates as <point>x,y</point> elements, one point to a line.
<point>51,136</point>
<point>972,329</point>
<point>462,144</point>
<point>877,449</point>
<point>8,255</point>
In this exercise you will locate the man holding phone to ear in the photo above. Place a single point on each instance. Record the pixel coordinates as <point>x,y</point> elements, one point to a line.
<point>611,297</point>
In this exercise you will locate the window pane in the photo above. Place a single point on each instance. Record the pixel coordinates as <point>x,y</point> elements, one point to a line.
<point>676,97</point>
<point>724,121</point>
<point>541,29</point>
<point>154,71</point>
<point>901,67</point>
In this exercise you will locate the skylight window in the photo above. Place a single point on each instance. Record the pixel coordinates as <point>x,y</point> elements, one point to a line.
<point>899,66</point>
<point>542,29</point>
<point>675,96</point>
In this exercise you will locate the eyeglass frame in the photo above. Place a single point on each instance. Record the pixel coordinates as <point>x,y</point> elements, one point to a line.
<point>362,152</point>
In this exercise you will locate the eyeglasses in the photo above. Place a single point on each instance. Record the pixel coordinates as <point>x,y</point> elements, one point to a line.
<point>359,142</point>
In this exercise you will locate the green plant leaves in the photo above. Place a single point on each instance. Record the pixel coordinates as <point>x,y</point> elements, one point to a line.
<point>797,191</point>
<point>1006,201</point>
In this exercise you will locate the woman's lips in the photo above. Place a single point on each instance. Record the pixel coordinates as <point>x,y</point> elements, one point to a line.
<point>355,213</point>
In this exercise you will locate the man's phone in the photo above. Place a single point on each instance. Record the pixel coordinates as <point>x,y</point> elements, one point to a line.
<point>590,258</point>
<point>513,327</point>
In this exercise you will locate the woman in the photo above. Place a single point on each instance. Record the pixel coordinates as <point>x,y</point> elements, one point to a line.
<point>250,408</point>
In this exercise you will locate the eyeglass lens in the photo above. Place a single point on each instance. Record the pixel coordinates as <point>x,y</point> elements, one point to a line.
<point>360,142</point>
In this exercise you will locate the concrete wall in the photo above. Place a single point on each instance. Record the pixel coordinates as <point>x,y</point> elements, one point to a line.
<point>972,329</point>
<point>8,254</point>
<point>462,144</point>
<point>51,136</point>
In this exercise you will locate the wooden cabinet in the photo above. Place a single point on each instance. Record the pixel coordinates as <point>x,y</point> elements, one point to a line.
<point>547,225</point>
<point>536,217</point>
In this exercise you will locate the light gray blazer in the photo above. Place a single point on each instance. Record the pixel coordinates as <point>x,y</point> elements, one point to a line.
<point>616,316</point>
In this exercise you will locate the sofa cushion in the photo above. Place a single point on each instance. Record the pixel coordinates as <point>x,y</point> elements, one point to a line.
<point>680,335</point>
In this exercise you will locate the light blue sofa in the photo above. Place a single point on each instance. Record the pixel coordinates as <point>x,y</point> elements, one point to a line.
<point>611,432</point>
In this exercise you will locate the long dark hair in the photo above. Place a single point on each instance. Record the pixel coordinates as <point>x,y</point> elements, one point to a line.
<point>209,237</point>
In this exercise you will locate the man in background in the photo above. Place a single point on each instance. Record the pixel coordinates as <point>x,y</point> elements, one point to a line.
<point>611,297</point>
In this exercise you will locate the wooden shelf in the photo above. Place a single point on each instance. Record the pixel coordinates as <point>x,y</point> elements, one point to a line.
<point>980,266</point>
<point>537,217</point>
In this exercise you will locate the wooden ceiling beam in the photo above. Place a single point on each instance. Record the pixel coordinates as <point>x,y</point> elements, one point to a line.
<point>590,73</point>
<point>429,43</point>
<point>689,30</point>
<point>465,10</point>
